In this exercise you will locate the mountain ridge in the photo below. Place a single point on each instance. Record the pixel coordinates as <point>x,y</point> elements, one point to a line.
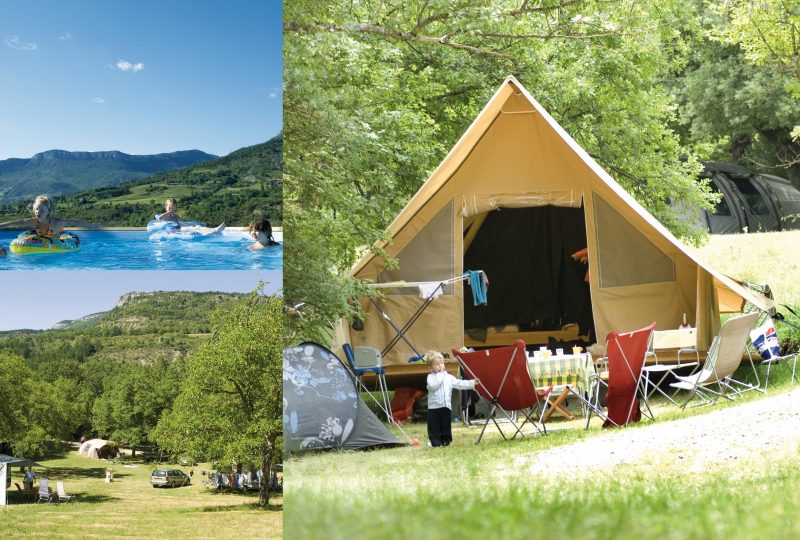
<point>62,172</point>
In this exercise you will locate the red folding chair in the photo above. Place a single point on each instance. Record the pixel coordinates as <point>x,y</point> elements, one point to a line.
<point>504,381</point>
<point>625,354</point>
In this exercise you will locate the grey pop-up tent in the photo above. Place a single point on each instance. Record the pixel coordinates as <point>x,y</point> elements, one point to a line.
<point>321,406</point>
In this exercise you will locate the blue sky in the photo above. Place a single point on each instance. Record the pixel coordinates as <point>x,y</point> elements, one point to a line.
<point>141,77</point>
<point>39,299</point>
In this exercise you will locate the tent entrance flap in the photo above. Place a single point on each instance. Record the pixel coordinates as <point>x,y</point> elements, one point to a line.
<point>534,282</point>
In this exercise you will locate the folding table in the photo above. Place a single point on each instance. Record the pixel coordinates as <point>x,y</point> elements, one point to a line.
<point>562,372</point>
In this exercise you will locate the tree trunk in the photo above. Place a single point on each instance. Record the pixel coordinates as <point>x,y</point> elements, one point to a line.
<point>266,473</point>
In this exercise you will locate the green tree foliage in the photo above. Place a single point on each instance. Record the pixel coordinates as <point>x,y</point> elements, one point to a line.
<point>111,374</point>
<point>34,411</point>
<point>230,405</point>
<point>767,32</point>
<point>132,401</point>
<point>377,92</point>
<point>732,108</point>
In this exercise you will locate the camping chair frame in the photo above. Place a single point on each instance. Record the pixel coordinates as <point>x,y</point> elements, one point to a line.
<point>650,387</point>
<point>495,397</point>
<point>593,404</point>
<point>785,359</point>
<point>700,384</point>
<point>380,376</point>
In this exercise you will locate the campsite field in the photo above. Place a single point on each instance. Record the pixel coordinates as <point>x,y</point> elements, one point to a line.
<point>130,508</point>
<point>489,491</point>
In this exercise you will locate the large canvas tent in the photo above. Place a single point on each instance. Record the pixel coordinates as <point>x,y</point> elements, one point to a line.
<point>514,197</point>
<point>96,449</point>
<point>321,405</point>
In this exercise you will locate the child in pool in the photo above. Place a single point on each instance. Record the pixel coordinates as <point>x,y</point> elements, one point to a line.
<point>170,214</point>
<point>261,232</point>
<point>44,219</point>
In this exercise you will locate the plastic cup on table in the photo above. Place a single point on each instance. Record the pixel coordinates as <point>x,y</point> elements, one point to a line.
<point>537,355</point>
<point>559,352</point>
<point>546,354</point>
<point>577,350</point>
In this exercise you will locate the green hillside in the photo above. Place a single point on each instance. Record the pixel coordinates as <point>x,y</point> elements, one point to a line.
<point>144,328</point>
<point>59,172</point>
<point>233,189</point>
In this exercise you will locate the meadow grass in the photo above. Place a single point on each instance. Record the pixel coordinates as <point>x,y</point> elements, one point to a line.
<point>130,508</point>
<point>758,257</point>
<point>484,491</point>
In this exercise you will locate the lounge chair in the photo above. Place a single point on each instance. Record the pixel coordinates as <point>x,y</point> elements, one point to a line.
<point>44,491</point>
<point>506,383</point>
<point>653,375</point>
<point>723,359</point>
<point>63,496</point>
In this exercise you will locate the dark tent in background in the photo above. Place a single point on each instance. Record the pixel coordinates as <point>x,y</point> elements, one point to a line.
<point>321,405</point>
<point>750,201</point>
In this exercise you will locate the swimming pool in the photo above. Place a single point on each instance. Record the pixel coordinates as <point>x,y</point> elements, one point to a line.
<point>133,250</point>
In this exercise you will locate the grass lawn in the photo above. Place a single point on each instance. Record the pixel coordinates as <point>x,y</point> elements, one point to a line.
<point>469,491</point>
<point>130,508</point>
<point>759,257</point>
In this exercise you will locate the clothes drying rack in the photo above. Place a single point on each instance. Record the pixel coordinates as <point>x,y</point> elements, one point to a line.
<point>428,290</point>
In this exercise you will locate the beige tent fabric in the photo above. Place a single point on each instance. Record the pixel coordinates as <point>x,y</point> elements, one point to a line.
<point>515,155</point>
<point>94,448</point>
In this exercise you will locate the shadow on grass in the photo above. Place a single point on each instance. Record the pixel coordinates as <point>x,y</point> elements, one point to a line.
<point>239,507</point>
<point>19,498</point>
<point>80,472</point>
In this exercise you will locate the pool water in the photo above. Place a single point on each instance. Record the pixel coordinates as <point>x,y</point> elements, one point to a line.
<point>133,250</point>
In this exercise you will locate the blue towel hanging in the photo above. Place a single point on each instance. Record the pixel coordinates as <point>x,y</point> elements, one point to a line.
<point>478,286</point>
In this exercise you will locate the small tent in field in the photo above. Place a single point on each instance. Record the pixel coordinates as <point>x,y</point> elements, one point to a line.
<point>321,405</point>
<point>97,449</point>
<point>516,197</point>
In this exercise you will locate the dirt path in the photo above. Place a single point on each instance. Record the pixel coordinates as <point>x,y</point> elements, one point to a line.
<point>744,432</point>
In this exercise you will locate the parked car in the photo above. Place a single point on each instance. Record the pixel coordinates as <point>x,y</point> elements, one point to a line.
<point>169,477</point>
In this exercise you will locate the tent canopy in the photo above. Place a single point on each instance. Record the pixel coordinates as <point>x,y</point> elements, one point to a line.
<point>518,177</point>
<point>11,461</point>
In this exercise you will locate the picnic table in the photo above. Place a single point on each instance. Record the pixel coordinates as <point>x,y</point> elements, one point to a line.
<point>563,372</point>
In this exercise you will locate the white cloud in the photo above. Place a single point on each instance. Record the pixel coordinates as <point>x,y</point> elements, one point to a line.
<point>15,43</point>
<point>65,35</point>
<point>124,65</point>
<point>99,100</point>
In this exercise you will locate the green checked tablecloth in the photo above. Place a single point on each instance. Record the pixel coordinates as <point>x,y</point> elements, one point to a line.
<point>569,369</point>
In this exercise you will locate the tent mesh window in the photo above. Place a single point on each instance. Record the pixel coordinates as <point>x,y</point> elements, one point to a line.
<point>428,256</point>
<point>627,257</point>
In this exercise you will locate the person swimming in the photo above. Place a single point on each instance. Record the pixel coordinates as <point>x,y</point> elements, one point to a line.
<point>261,232</point>
<point>170,214</point>
<point>44,219</point>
